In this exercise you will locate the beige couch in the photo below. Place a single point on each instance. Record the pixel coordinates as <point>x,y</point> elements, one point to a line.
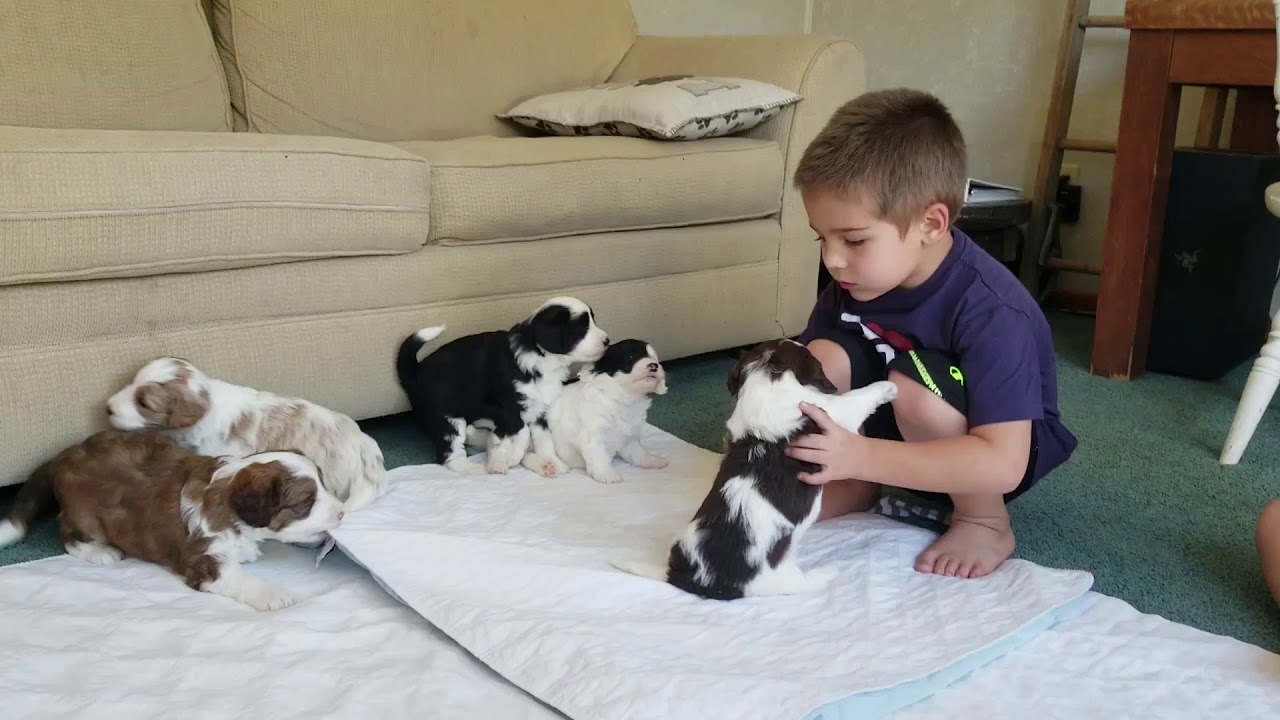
<point>283,197</point>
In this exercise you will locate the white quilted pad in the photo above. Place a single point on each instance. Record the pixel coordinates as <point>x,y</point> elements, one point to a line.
<point>516,569</point>
<point>1111,661</point>
<point>130,641</point>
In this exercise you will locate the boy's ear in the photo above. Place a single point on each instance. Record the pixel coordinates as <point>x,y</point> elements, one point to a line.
<point>935,222</point>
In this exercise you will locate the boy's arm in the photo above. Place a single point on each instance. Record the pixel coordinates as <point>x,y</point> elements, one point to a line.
<point>998,356</point>
<point>990,459</point>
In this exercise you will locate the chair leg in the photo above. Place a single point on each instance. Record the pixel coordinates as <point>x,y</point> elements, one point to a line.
<point>1258,390</point>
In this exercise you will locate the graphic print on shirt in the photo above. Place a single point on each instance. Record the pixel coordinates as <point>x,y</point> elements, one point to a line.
<point>887,343</point>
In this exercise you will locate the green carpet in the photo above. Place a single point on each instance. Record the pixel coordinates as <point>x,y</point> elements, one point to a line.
<point>1143,505</point>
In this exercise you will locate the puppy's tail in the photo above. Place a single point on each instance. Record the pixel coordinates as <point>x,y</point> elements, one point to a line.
<point>650,570</point>
<point>407,359</point>
<point>35,498</point>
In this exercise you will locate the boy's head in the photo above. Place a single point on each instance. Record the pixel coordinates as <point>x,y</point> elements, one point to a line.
<point>882,184</point>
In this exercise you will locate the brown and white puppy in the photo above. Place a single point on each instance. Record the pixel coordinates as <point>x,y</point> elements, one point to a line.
<point>217,418</point>
<point>143,495</point>
<point>743,539</point>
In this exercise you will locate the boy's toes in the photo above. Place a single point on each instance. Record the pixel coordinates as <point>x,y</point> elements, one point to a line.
<point>925,563</point>
<point>967,550</point>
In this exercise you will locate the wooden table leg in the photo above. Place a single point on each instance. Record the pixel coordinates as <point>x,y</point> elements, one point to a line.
<point>1135,224</point>
<point>1254,126</point>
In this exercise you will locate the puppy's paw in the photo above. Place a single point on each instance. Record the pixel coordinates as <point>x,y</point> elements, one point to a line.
<point>607,477</point>
<point>264,597</point>
<point>462,466</point>
<point>96,553</point>
<point>505,454</point>
<point>545,467</point>
<point>652,462</point>
<point>886,391</point>
<point>561,466</point>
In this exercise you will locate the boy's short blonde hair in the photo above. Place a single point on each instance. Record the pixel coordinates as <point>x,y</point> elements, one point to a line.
<point>899,150</point>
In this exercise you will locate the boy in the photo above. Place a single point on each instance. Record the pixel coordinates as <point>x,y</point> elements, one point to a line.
<point>914,299</point>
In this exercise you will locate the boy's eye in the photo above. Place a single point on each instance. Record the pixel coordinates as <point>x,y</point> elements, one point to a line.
<point>854,243</point>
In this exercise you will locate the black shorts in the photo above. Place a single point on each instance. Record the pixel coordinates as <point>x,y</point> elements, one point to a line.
<point>935,370</point>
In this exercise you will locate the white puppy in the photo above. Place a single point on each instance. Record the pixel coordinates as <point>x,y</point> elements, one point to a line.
<point>216,418</point>
<point>601,415</point>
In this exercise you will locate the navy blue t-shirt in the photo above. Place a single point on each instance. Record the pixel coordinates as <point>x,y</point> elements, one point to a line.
<point>975,310</point>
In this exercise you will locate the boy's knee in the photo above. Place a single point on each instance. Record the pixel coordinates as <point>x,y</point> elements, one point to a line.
<point>835,362</point>
<point>921,414</point>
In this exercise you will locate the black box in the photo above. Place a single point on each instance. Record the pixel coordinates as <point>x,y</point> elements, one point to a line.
<point>1218,264</point>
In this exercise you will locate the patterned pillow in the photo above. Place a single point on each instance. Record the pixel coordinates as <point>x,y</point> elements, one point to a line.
<point>675,107</point>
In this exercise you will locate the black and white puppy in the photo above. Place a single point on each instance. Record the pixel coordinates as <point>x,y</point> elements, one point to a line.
<point>743,539</point>
<point>503,380</point>
<point>602,414</point>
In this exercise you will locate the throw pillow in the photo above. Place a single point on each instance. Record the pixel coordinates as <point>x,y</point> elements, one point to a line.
<point>675,107</point>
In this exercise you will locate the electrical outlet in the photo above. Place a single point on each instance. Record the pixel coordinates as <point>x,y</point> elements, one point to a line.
<point>1072,172</point>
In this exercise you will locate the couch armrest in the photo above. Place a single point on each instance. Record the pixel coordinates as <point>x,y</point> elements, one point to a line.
<point>827,71</point>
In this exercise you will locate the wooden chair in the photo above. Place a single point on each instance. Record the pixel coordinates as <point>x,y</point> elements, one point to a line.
<point>1265,375</point>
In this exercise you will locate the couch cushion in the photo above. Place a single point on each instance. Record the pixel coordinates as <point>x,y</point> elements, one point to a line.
<point>44,314</point>
<point>101,203</point>
<point>502,189</point>
<point>122,64</point>
<point>410,69</point>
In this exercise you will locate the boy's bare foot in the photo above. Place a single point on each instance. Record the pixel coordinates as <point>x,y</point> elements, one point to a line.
<point>972,547</point>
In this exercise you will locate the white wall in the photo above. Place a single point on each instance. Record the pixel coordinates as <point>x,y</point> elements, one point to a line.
<point>992,62</point>
<point>718,17</point>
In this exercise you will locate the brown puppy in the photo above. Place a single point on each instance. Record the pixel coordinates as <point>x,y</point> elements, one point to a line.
<point>142,494</point>
<point>743,539</point>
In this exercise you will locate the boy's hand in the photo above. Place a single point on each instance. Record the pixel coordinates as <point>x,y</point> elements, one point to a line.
<point>835,449</point>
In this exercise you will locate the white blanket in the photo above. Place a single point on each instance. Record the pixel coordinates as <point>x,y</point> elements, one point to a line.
<point>1111,661</point>
<point>131,641</point>
<point>516,569</point>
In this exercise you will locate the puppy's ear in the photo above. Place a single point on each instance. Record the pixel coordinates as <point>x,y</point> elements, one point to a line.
<point>186,408</point>
<point>549,330</point>
<point>809,372</point>
<point>255,493</point>
<point>734,381</point>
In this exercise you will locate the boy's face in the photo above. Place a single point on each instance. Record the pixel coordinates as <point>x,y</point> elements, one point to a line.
<point>868,256</point>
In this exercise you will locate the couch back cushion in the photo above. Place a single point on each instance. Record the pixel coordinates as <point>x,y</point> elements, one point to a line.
<point>399,70</point>
<point>112,65</point>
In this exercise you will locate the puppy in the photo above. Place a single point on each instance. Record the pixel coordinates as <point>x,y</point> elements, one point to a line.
<point>501,381</point>
<point>143,495</point>
<point>217,418</point>
<point>742,540</point>
<point>601,414</point>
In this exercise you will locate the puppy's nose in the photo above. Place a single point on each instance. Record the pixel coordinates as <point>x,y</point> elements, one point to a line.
<point>110,412</point>
<point>653,367</point>
<point>606,342</point>
<point>340,515</point>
